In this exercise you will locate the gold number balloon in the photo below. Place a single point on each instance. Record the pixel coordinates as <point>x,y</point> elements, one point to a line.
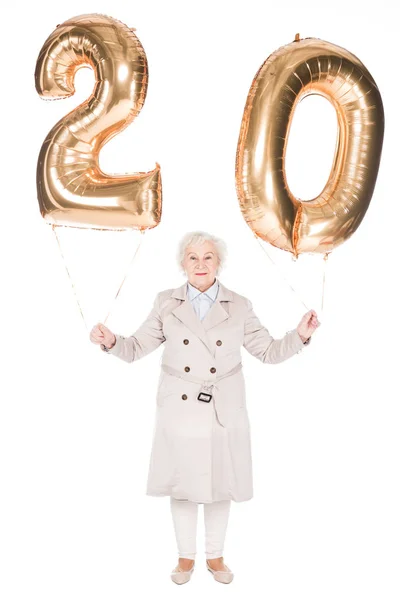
<point>72,189</point>
<point>308,66</point>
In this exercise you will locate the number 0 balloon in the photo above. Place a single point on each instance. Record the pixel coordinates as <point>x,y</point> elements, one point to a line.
<point>72,189</point>
<point>308,66</point>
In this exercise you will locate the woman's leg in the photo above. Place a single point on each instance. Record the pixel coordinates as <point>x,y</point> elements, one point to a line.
<point>184,516</point>
<point>216,515</point>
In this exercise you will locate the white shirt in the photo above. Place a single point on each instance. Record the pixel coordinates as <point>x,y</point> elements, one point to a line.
<point>202,301</point>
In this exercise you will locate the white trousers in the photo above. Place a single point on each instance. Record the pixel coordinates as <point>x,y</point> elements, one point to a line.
<point>184,516</point>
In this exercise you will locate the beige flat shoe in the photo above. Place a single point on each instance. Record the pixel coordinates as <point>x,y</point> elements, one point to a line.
<point>179,576</point>
<point>221,576</point>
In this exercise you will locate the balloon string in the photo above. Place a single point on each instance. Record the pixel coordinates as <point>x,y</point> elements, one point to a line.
<point>323,285</point>
<point>72,283</point>
<point>70,278</point>
<point>281,275</point>
<point>123,281</point>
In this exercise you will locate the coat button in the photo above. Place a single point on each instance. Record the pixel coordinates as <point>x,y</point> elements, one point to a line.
<point>213,369</point>
<point>218,342</point>
<point>187,369</point>
<point>185,342</point>
<point>184,397</point>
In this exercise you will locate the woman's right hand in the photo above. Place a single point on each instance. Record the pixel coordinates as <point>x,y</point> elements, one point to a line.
<point>100,334</point>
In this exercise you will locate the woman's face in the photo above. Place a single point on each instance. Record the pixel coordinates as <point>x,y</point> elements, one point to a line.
<point>201,263</point>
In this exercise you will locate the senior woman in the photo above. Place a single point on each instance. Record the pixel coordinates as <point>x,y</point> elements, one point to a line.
<point>201,450</point>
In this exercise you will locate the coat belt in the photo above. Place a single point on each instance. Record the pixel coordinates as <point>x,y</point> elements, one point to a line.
<point>205,384</point>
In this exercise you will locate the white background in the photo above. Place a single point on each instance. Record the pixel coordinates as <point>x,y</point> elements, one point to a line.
<point>76,424</point>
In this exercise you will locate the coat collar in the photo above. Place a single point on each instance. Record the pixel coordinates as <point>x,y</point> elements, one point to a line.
<point>216,314</point>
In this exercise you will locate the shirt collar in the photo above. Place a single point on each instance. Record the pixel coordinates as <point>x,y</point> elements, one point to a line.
<point>211,292</point>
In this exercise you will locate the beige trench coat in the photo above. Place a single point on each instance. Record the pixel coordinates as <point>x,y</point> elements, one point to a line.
<point>201,451</point>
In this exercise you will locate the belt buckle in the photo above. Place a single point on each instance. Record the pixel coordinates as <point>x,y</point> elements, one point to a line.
<point>204,397</point>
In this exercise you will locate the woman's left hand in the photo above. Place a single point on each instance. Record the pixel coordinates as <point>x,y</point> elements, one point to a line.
<point>308,325</point>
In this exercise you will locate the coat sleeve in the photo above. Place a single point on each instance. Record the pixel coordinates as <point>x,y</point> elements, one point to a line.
<point>144,340</point>
<point>260,343</point>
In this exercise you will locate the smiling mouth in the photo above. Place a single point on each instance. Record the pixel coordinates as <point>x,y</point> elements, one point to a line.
<point>201,273</point>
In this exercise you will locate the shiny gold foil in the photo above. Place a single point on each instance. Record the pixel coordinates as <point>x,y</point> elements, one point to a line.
<point>72,189</point>
<point>308,66</point>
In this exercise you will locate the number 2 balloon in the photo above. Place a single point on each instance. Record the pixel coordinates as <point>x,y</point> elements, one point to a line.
<point>72,189</point>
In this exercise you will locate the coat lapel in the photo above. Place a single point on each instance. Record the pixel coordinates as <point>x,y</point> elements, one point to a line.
<point>216,314</point>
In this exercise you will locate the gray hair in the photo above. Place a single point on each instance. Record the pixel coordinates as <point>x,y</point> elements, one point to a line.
<point>198,237</point>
